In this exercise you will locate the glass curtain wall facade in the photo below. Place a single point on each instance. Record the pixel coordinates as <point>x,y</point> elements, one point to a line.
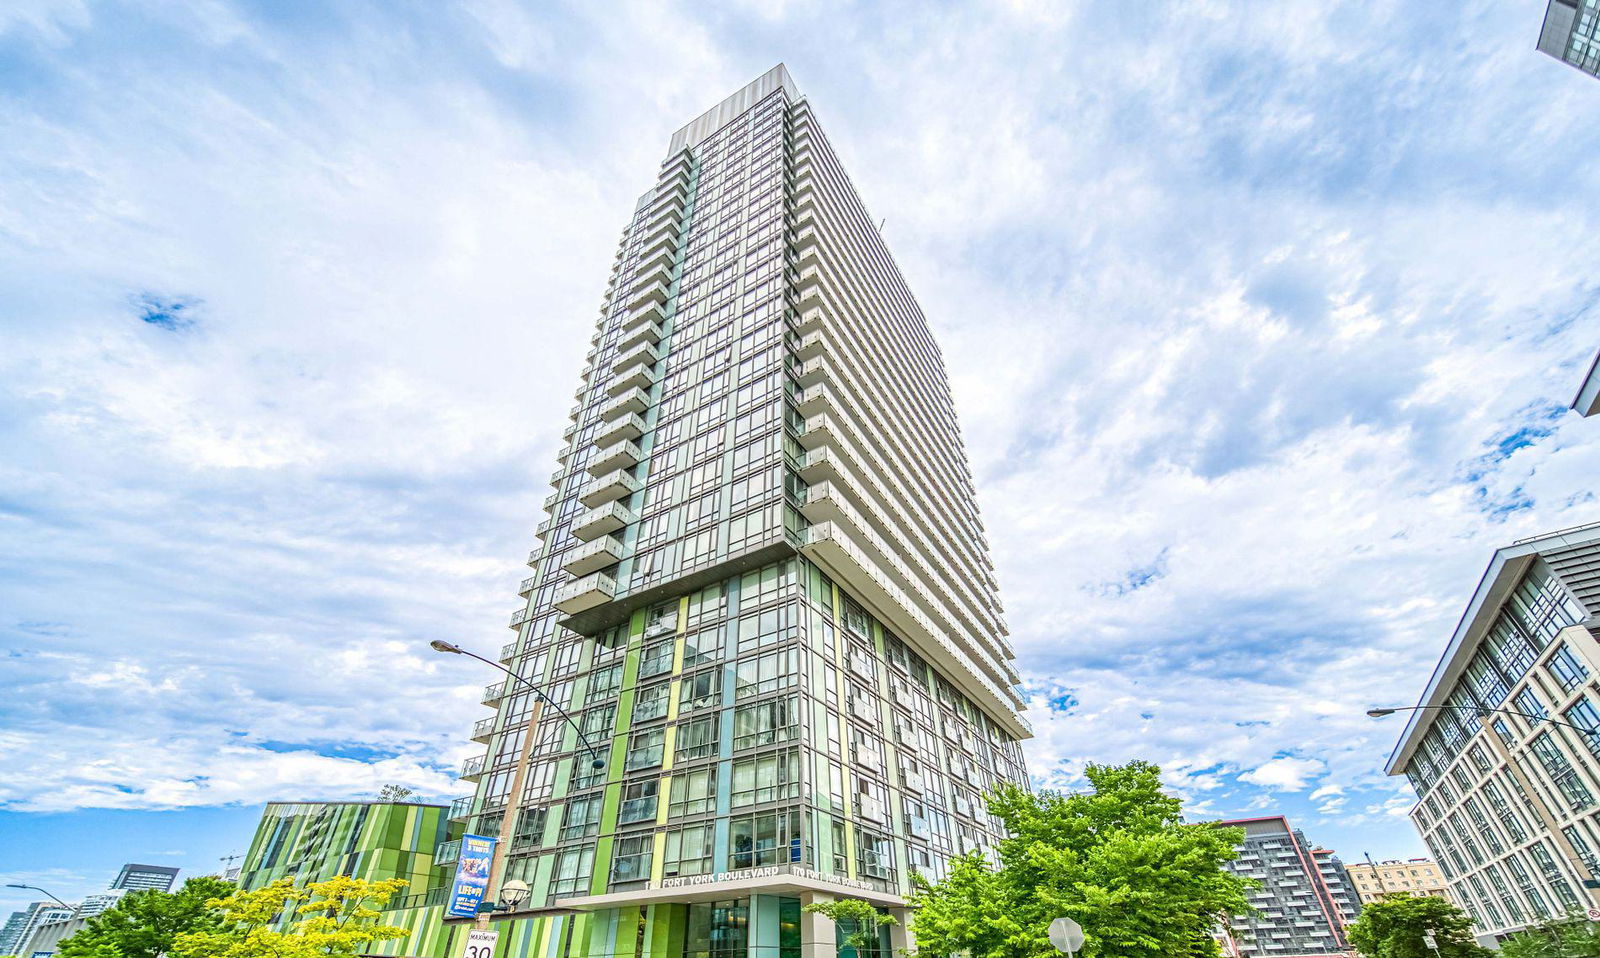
<point>1570,33</point>
<point>1507,803</point>
<point>763,588</point>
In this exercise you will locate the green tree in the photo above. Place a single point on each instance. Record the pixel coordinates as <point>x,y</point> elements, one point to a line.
<point>863,919</point>
<point>145,923</point>
<point>1557,938</point>
<point>1118,858</point>
<point>1393,927</point>
<point>336,919</point>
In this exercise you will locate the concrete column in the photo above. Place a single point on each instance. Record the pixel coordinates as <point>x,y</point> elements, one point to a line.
<point>818,936</point>
<point>901,939</point>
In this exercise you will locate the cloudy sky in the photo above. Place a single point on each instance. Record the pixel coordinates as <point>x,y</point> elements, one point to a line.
<point>1262,320</point>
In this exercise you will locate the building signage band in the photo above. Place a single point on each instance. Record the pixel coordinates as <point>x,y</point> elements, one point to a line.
<point>772,871</point>
<point>472,876</point>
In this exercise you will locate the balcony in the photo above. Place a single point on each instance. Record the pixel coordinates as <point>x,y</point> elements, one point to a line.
<point>641,376</point>
<point>913,781</point>
<point>871,808</point>
<point>643,296</point>
<point>642,353</point>
<point>472,769</point>
<point>526,585</point>
<point>447,853</point>
<point>461,808</point>
<point>812,345</point>
<point>586,593</point>
<point>659,256</point>
<point>494,693</point>
<point>863,708</point>
<point>508,650</point>
<point>533,556</point>
<point>627,426</point>
<point>520,616</point>
<point>594,556</point>
<point>665,228</point>
<point>651,313</point>
<point>811,372</point>
<point>642,333</point>
<point>597,522</point>
<point>655,275</point>
<point>483,730</point>
<point>636,400</point>
<point>624,455</point>
<point>614,485</point>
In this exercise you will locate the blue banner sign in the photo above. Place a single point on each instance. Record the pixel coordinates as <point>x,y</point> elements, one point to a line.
<point>472,876</point>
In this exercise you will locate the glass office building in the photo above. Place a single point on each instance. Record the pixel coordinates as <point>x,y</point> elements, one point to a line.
<point>1508,803</point>
<point>762,589</point>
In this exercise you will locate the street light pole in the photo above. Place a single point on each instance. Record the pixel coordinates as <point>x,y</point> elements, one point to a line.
<point>44,893</point>
<point>511,894</point>
<point>1482,711</point>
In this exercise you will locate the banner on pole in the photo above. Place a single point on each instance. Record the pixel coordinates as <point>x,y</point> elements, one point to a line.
<point>472,876</point>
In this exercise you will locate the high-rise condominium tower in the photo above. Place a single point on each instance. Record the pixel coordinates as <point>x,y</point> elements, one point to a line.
<point>1570,33</point>
<point>763,589</point>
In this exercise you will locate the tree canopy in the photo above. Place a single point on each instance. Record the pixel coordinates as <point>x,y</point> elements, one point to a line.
<point>337,918</point>
<point>145,923</point>
<point>1394,926</point>
<point>1559,938</point>
<point>1118,858</point>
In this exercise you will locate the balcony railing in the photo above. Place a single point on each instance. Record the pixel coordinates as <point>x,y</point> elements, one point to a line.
<point>472,768</point>
<point>586,593</point>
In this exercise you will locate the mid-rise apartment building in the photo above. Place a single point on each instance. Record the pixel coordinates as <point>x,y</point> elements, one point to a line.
<point>1507,800</point>
<point>1412,876</point>
<point>1341,889</point>
<point>1568,33</point>
<point>762,589</point>
<point>134,877</point>
<point>1297,913</point>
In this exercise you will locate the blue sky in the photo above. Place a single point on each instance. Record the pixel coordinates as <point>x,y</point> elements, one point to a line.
<point>1261,319</point>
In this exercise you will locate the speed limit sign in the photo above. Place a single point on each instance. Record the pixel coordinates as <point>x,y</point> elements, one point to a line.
<point>480,944</point>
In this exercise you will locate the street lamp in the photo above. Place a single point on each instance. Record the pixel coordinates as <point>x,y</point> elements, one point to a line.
<point>512,894</point>
<point>1482,712</point>
<point>42,892</point>
<point>439,645</point>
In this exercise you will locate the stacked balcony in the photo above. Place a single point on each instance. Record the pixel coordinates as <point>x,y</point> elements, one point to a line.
<point>599,521</point>
<point>483,730</point>
<point>614,485</point>
<point>623,455</point>
<point>586,593</point>
<point>639,353</point>
<point>472,769</point>
<point>624,427</point>
<point>641,375</point>
<point>593,556</point>
<point>635,400</point>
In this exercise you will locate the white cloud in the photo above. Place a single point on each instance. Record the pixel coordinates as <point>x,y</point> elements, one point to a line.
<point>1257,322</point>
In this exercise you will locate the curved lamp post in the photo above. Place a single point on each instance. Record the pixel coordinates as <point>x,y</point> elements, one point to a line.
<point>439,645</point>
<point>1480,711</point>
<point>44,893</point>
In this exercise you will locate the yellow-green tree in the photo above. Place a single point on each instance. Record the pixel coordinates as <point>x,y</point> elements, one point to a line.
<point>334,917</point>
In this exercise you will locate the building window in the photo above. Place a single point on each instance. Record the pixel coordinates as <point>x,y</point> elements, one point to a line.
<point>631,859</point>
<point>697,738</point>
<point>766,778</point>
<point>769,838</point>
<point>693,792</point>
<point>639,801</point>
<point>652,702</point>
<point>1584,715</point>
<point>1565,667</point>
<point>1561,771</point>
<point>645,749</point>
<point>701,690</point>
<point>573,870</point>
<point>583,817</point>
<point>687,851</point>
<point>766,723</point>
